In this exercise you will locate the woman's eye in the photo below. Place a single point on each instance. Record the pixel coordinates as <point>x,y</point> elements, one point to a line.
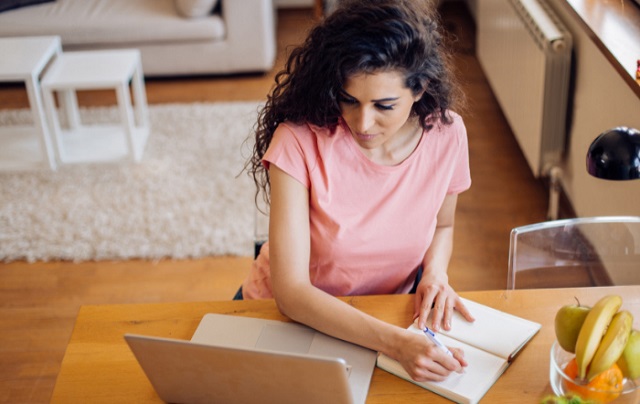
<point>384,107</point>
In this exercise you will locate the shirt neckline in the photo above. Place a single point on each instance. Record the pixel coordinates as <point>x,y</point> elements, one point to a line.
<point>355,149</point>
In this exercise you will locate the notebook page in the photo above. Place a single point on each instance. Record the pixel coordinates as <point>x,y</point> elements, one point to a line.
<point>493,331</point>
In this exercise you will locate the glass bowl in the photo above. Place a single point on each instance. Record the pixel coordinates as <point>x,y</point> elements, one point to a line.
<point>564,385</point>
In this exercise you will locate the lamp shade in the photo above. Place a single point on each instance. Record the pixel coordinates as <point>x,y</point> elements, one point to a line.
<point>615,154</point>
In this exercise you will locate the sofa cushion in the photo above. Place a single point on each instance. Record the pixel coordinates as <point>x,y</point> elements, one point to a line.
<point>118,22</point>
<point>195,8</point>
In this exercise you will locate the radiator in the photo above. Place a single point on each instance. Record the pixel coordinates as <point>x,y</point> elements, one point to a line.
<point>525,52</point>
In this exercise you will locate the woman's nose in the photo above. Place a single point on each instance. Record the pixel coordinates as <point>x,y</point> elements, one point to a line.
<point>364,120</point>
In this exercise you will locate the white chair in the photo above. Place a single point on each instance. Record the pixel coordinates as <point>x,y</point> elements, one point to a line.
<point>590,251</point>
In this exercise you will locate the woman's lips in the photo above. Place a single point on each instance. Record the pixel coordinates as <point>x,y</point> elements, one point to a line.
<point>365,136</point>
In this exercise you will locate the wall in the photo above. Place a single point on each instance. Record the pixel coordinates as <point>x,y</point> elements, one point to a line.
<point>601,100</point>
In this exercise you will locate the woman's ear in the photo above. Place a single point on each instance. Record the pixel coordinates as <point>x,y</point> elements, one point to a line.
<point>418,96</point>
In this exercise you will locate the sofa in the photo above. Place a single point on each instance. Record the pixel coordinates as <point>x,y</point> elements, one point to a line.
<point>175,37</point>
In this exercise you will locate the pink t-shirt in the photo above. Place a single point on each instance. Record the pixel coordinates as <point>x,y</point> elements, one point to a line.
<point>370,224</point>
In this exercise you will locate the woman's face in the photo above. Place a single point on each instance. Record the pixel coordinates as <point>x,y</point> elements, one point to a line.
<point>376,107</point>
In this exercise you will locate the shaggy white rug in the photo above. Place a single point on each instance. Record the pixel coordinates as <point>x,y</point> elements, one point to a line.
<point>188,198</point>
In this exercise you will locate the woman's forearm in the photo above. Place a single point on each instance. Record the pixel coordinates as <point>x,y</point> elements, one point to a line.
<point>317,309</point>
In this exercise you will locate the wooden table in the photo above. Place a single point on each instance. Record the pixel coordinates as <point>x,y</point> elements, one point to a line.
<point>99,367</point>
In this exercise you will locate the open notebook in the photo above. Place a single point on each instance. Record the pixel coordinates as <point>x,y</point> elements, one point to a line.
<point>490,344</point>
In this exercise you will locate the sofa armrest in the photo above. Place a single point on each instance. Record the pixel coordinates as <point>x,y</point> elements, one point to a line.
<point>251,29</point>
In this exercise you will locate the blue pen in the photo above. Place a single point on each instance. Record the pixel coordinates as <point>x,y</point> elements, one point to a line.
<point>432,336</point>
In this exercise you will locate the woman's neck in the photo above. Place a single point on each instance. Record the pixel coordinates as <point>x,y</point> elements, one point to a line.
<point>399,148</point>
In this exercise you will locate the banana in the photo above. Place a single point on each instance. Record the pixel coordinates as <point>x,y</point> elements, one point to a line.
<point>593,329</point>
<point>612,345</point>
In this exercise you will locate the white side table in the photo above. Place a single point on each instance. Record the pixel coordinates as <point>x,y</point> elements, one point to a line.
<point>97,70</point>
<point>23,60</point>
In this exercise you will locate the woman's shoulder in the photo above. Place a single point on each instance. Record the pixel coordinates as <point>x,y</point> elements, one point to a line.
<point>303,132</point>
<point>453,118</point>
<point>452,132</point>
<point>304,128</point>
<point>453,123</point>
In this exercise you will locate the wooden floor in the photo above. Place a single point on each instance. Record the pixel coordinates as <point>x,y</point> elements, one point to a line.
<point>39,301</point>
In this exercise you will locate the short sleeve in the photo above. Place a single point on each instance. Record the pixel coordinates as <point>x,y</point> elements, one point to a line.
<point>461,176</point>
<point>293,150</point>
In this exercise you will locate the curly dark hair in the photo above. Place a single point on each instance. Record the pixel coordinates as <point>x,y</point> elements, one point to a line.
<point>361,36</point>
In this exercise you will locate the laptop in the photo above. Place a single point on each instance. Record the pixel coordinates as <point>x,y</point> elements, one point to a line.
<point>233,359</point>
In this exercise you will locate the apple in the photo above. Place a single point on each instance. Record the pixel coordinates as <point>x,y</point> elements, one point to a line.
<point>629,362</point>
<point>569,320</point>
<point>568,399</point>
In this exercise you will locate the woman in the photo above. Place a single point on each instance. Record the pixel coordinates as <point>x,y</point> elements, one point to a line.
<point>362,160</point>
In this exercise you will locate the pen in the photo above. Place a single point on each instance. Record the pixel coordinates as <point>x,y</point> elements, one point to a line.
<point>432,336</point>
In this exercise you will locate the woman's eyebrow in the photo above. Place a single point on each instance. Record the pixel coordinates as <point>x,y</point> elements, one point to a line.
<point>388,99</point>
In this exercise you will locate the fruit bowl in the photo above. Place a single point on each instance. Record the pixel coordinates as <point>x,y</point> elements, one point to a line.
<point>564,385</point>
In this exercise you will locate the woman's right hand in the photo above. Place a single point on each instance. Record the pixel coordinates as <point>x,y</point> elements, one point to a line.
<point>424,361</point>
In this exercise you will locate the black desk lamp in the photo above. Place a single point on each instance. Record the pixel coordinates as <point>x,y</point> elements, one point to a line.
<point>615,154</point>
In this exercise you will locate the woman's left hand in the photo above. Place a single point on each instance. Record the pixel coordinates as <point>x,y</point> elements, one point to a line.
<point>434,295</point>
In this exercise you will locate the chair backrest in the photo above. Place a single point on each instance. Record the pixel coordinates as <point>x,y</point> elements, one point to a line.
<point>590,251</point>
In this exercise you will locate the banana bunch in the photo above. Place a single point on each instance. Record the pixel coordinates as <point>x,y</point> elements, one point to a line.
<point>602,337</point>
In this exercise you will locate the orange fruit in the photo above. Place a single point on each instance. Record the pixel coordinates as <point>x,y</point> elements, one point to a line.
<point>604,388</point>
